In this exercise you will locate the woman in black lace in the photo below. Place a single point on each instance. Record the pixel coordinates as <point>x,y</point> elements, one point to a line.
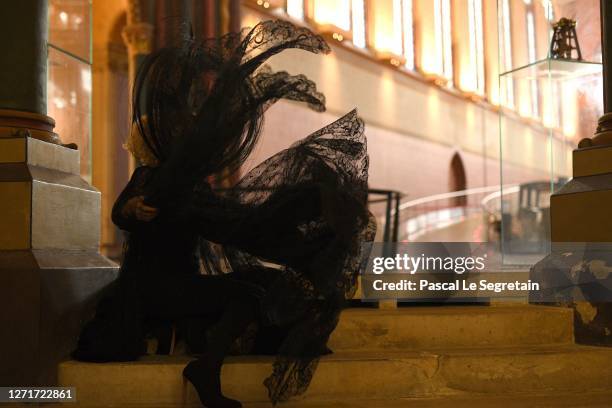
<point>198,109</point>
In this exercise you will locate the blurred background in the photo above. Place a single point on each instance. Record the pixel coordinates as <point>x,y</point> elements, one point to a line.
<point>470,123</point>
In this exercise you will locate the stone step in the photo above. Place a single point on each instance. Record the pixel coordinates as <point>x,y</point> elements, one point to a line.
<point>156,381</point>
<point>550,400</point>
<point>452,327</point>
<point>556,400</point>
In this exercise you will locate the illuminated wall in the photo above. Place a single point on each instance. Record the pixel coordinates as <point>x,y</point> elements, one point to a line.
<point>454,41</point>
<point>445,41</point>
<point>414,127</point>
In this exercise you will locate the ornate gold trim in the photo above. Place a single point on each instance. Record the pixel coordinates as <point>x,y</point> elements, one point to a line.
<point>603,134</point>
<point>15,123</point>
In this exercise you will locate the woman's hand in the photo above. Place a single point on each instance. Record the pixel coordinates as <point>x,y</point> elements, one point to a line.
<point>135,207</point>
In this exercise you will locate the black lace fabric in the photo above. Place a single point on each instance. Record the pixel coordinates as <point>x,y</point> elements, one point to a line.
<point>270,86</point>
<point>199,108</point>
<point>313,200</point>
<point>304,209</point>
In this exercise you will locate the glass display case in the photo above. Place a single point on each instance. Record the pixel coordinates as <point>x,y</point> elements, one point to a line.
<point>546,106</point>
<point>69,81</point>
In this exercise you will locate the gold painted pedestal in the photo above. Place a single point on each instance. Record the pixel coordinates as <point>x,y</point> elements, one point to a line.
<point>581,222</point>
<point>580,211</point>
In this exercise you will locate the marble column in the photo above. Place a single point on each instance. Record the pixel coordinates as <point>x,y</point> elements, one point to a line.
<point>23,43</point>
<point>23,75</point>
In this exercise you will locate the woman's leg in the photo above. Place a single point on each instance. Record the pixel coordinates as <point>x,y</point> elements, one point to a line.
<point>205,372</point>
<point>234,303</point>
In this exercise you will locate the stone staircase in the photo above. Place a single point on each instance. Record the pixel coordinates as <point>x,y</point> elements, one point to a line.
<point>476,356</point>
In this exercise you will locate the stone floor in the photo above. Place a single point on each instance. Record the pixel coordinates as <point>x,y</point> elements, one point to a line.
<point>590,400</point>
<point>459,356</point>
<point>597,400</point>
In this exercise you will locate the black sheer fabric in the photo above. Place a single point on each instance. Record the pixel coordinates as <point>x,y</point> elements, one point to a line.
<point>310,216</point>
<point>304,210</point>
<point>200,107</point>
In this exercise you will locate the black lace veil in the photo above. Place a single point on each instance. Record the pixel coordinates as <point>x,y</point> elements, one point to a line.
<point>199,108</point>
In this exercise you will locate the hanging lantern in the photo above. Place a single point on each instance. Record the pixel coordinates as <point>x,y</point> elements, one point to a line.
<point>564,44</point>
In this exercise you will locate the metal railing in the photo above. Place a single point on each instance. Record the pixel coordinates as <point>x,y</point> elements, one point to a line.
<point>425,214</point>
<point>407,220</point>
<point>390,198</point>
<point>391,222</point>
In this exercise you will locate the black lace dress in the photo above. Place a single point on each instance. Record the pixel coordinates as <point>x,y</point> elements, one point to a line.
<point>303,211</point>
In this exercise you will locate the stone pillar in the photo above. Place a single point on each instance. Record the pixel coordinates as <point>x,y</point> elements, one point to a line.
<point>606,47</point>
<point>138,37</point>
<point>23,76</point>
<point>172,21</point>
<point>50,268</point>
<point>110,116</point>
<point>229,16</point>
<point>23,45</point>
<point>580,210</point>
<point>228,20</point>
<point>208,19</point>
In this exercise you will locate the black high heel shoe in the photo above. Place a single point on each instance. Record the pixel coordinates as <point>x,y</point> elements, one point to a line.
<point>206,378</point>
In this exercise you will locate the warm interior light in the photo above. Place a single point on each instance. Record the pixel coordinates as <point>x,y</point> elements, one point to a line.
<point>387,24</point>
<point>549,98</point>
<point>524,108</point>
<point>506,54</point>
<point>439,38</point>
<point>569,108</point>
<point>531,50</point>
<point>86,79</point>
<point>338,36</point>
<point>437,54</point>
<point>408,33</point>
<point>468,81</point>
<point>333,12</point>
<point>271,4</point>
<point>429,61</point>
<point>474,79</point>
<point>447,40</point>
<point>295,8</point>
<point>493,96</point>
<point>358,23</point>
